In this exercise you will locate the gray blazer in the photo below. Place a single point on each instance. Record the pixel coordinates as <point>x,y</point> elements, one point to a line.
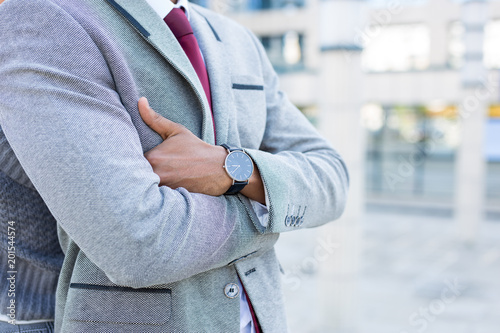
<point>139,257</point>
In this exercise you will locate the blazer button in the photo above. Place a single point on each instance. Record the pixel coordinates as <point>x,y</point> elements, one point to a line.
<point>231,290</point>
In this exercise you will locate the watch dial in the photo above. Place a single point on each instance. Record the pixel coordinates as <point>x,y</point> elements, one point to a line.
<point>239,166</point>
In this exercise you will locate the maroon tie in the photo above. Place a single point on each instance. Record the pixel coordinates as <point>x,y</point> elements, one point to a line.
<point>179,24</point>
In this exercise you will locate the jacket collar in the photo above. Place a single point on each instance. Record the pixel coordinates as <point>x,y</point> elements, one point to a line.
<point>215,55</point>
<point>147,23</point>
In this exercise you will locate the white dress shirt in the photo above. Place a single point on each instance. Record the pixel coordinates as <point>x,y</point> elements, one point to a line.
<point>162,8</point>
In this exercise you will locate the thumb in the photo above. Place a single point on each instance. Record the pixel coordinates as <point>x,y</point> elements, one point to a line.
<point>159,124</point>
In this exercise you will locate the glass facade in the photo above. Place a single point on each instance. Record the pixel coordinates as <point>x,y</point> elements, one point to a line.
<point>237,6</point>
<point>285,51</point>
<point>401,47</point>
<point>407,47</point>
<point>385,3</point>
<point>456,47</point>
<point>493,183</point>
<point>253,5</point>
<point>411,151</point>
<point>492,150</point>
<point>491,47</point>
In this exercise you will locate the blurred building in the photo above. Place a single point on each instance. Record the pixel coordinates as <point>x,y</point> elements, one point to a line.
<point>423,67</point>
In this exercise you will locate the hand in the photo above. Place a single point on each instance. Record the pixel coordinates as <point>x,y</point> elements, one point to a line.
<point>182,159</point>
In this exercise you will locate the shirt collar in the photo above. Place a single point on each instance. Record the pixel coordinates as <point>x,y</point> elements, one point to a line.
<point>163,7</point>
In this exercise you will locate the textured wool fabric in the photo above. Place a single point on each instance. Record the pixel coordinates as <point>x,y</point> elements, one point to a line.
<point>139,257</point>
<point>38,256</point>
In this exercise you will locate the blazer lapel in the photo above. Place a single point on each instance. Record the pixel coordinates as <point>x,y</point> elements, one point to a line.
<point>145,20</point>
<point>214,53</point>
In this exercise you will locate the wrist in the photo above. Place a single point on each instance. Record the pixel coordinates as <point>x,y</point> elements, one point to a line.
<point>239,166</point>
<point>255,188</point>
<point>225,180</point>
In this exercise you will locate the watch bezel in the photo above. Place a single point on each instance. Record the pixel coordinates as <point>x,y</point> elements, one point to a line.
<point>229,173</point>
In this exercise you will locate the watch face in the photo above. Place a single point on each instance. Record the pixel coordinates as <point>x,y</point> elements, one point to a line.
<point>239,166</point>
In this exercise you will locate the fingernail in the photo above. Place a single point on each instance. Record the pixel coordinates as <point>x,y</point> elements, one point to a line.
<point>151,111</point>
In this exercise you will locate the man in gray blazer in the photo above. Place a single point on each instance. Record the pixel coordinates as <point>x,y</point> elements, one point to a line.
<point>152,240</point>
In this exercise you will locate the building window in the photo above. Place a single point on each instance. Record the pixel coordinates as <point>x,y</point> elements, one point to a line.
<point>252,5</point>
<point>402,47</point>
<point>311,112</point>
<point>411,151</point>
<point>239,6</point>
<point>385,3</point>
<point>492,149</point>
<point>456,47</point>
<point>491,47</point>
<point>284,51</point>
<point>491,44</point>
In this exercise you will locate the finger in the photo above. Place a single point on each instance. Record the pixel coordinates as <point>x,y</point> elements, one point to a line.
<point>157,122</point>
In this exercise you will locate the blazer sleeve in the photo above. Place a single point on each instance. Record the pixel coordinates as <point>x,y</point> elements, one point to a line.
<point>305,178</point>
<point>68,128</point>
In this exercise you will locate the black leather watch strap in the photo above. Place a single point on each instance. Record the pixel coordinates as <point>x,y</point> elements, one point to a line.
<point>229,149</point>
<point>236,187</point>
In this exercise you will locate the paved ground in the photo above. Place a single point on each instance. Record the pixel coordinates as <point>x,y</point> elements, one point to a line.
<point>414,276</point>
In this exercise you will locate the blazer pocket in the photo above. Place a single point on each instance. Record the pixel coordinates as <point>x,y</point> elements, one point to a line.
<point>120,305</point>
<point>250,101</point>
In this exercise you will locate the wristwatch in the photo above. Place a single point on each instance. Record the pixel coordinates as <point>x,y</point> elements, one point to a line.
<point>239,167</point>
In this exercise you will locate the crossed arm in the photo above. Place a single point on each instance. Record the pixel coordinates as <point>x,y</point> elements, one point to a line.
<point>184,160</point>
<point>76,141</point>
